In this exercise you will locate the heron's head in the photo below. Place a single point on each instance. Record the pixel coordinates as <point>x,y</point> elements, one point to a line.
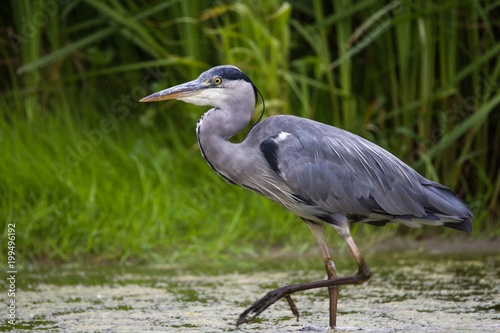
<point>219,87</point>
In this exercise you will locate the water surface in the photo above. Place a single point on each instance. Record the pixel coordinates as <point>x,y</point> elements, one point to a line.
<point>405,294</point>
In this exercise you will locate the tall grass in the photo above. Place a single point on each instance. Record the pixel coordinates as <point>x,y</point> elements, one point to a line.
<point>89,173</point>
<point>116,191</point>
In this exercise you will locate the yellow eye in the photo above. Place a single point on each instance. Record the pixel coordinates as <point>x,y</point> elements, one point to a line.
<point>217,80</point>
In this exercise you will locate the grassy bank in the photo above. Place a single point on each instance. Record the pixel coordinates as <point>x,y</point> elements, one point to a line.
<point>89,173</point>
<point>101,187</point>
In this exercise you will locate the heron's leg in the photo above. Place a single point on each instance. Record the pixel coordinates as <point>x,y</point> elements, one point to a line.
<point>363,270</point>
<point>273,296</point>
<point>318,230</point>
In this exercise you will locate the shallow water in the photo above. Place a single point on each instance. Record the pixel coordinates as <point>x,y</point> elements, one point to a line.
<point>435,293</point>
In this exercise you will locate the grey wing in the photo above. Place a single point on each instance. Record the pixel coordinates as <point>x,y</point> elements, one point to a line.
<point>343,173</point>
<point>349,176</point>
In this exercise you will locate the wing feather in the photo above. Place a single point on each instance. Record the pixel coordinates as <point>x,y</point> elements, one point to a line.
<point>344,173</point>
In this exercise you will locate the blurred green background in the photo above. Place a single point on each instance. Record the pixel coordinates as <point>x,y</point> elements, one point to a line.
<point>87,173</point>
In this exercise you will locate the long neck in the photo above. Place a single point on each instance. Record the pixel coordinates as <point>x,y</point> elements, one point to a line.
<point>214,130</point>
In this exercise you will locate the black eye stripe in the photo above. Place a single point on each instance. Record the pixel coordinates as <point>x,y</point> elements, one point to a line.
<point>232,74</point>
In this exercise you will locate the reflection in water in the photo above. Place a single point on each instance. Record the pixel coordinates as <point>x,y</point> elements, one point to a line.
<point>430,294</point>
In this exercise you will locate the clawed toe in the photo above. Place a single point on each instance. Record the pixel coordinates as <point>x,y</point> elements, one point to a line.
<point>262,304</point>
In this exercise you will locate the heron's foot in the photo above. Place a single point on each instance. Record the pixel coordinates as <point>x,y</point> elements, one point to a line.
<point>273,296</point>
<point>262,304</point>
<point>293,307</point>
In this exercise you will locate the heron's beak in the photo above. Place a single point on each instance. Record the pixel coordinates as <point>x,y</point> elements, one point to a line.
<point>180,91</point>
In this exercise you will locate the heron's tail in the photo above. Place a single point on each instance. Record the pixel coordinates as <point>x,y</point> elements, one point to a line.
<point>450,209</point>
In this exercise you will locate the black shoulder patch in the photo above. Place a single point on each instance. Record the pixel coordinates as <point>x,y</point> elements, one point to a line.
<point>269,149</point>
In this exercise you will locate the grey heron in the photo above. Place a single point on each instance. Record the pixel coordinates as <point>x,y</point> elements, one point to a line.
<point>322,174</point>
